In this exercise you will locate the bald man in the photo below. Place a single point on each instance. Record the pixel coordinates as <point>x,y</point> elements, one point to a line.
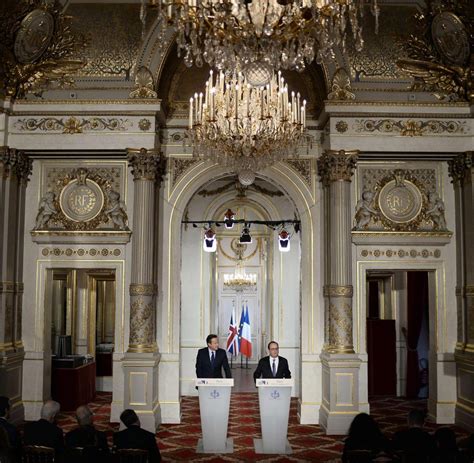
<point>44,431</point>
<point>86,436</point>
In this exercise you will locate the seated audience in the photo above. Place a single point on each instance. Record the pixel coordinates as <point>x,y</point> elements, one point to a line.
<point>85,436</point>
<point>134,437</point>
<point>364,434</point>
<point>7,454</point>
<point>44,432</point>
<point>416,444</point>
<point>446,447</point>
<point>14,441</point>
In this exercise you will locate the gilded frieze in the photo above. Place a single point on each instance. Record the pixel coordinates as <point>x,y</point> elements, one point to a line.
<point>401,253</point>
<point>410,127</point>
<point>73,125</point>
<point>81,252</point>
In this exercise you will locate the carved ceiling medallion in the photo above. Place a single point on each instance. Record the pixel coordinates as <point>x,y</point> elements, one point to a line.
<point>34,36</point>
<point>450,38</point>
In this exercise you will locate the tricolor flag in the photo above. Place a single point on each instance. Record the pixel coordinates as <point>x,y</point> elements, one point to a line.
<point>245,335</point>
<point>233,337</point>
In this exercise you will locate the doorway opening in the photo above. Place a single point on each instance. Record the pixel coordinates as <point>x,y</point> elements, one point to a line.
<point>398,327</point>
<point>82,333</point>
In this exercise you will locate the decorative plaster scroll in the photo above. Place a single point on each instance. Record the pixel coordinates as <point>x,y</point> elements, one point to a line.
<point>73,125</point>
<point>304,167</point>
<point>410,127</point>
<point>179,167</point>
<point>341,86</point>
<point>144,85</point>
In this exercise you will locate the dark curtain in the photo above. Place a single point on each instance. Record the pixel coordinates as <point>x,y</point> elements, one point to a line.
<point>417,302</point>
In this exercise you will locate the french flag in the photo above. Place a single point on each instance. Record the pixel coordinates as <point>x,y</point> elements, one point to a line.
<point>233,337</point>
<point>245,334</point>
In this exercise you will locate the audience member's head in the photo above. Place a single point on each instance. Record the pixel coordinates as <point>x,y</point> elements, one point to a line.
<point>364,428</point>
<point>49,410</point>
<point>84,415</point>
<point>445,439</point>
<point>4,407</point>
<point>129,418</point>
<point>416,419</point>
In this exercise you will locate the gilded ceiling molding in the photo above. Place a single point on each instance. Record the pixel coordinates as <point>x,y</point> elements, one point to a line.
<point>37,47</point>
<point>144,85</point>
<point>337,165</point>
<point>439,55</point>
<point>147,164</point>
<point>341,88</point>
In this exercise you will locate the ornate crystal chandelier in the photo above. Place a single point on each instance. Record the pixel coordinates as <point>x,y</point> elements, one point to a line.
<point>246,128</point>
<point>260,36</point>
<point>240,281</point>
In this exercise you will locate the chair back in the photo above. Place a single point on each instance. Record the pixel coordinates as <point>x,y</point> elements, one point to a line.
<point>360,456</point>
<point>38,454</point>
<point>132,456</point>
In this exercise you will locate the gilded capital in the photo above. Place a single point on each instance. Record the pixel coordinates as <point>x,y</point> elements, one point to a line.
<point>17,163</point>
<point>337,165</point>
<point>146,164</point>
<point>459,166</point>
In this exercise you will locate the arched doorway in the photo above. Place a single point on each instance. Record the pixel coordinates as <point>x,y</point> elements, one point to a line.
<point>178,355</point>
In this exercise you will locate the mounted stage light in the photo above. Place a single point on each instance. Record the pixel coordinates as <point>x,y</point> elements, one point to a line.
<point>245,237</point>
<point>229,219</point>
<point>284,241</point>
<point>209,243</point>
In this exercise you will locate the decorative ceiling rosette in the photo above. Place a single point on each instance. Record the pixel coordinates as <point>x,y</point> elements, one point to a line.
<point>36,47</point>
<point>439,56</point>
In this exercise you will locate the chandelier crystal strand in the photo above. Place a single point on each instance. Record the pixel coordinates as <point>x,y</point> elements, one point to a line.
<point>244,127</point>
<point>260,36</point>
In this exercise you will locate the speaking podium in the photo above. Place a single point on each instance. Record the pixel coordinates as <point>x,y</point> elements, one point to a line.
<point>214,403</point>
<point>274,396</point>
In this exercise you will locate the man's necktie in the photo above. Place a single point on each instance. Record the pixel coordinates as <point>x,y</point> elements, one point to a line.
<point>274,371</point>
<point>213,357</point>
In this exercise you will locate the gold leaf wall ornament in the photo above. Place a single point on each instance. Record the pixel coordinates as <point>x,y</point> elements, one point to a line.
<point>73,125</point>
<point>439,57</point>
<point>341,86</point>
<point>36,47</point>
<point>144,85</point>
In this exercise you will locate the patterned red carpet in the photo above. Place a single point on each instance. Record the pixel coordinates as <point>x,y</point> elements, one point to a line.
<point>178,441</point>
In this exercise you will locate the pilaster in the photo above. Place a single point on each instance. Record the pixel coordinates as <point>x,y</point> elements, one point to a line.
<point>15,169</point>
<point>141,360</point>
<point>340,364</point>
<point>461,170</point>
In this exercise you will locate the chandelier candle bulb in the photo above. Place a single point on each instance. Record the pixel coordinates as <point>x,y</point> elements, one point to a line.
<point>190,113</point>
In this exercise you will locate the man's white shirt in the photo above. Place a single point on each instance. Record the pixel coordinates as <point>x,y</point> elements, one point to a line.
<point>276,359</point>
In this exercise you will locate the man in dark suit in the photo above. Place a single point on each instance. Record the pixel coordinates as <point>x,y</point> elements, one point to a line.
<point>14,442</point>
<point>44,432</point>
<point>134,437</point>
<point>211,360</point>
<point>93,442</point>
<point>272,366</point>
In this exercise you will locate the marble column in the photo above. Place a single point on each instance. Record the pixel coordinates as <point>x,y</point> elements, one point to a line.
<point>141,361</point>
<point>461,170</point>
<point>340,363</point>
<point>15,168</point>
